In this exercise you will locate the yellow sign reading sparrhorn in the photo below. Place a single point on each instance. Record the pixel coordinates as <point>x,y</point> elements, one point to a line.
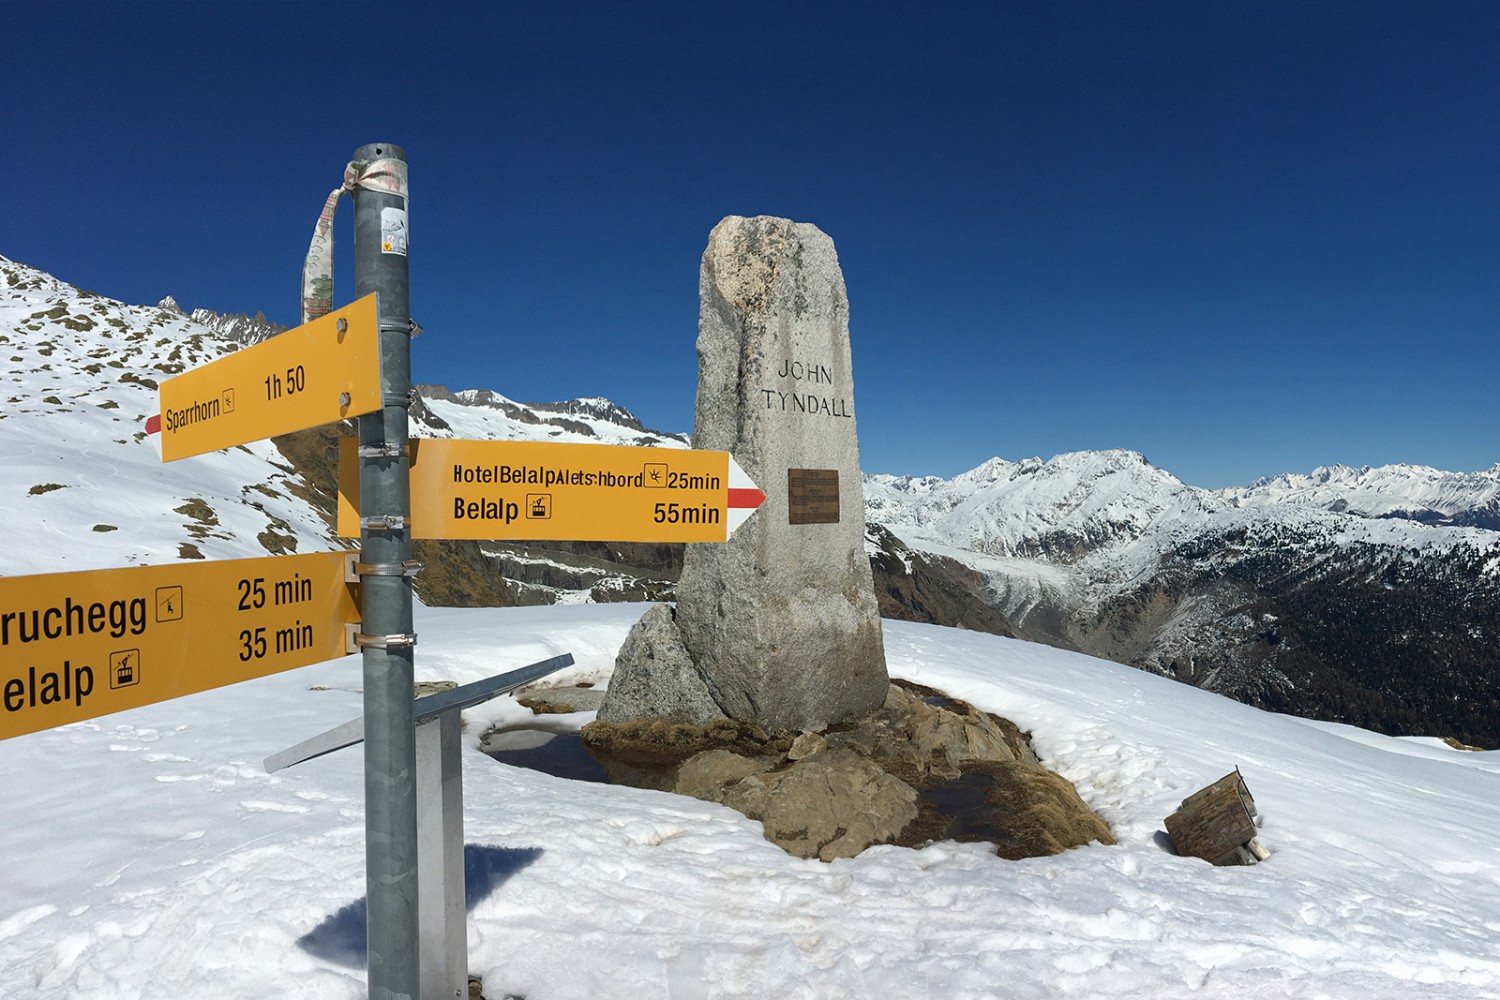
<point>314,374</point>
<point>74,646</point>
<point>550,491</point>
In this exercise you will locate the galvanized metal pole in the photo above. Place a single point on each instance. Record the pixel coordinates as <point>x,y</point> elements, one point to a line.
<point>380,266</point>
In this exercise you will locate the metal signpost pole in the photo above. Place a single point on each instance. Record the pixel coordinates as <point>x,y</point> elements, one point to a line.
<point>380,266</point>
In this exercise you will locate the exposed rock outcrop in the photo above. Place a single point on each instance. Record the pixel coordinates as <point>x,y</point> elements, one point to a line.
<point>666,685</point>
<point>921,768</point>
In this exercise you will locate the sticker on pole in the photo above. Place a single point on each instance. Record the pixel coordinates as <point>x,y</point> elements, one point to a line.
<point>393,231</point>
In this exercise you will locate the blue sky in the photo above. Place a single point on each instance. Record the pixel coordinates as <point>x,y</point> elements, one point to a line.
<point>1242,238</point>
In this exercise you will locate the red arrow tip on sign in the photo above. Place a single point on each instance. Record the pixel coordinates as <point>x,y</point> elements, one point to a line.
<point>153,427</point>
<point>750,498</point>
<point>744,497</point>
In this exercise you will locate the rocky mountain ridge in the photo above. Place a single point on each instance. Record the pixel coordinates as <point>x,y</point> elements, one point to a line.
<point>234,328</point>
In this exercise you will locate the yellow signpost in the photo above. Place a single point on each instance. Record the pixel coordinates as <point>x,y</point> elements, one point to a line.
<point>317,373</point>
<point>563,492</point>
<point>78,645</point>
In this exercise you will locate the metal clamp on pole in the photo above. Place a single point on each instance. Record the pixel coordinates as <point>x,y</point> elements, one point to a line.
<point>386,449</point>
<point>397,641</point>
<point>409,568</point>
<point>383,522</point>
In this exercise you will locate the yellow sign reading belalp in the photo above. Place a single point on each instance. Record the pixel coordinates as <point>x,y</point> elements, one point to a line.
<point>78,645</point>
<point>549,491</point>
<point>314,374</point>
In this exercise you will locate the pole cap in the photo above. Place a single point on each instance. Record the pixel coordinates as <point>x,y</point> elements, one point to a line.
<point>379,151</point>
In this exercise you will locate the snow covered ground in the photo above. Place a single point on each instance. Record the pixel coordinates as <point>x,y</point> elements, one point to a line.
<point>147,854</point>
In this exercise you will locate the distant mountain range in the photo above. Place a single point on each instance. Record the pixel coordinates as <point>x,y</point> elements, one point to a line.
<point>1412,492</point>
<point>1370,596</point>
<point>1355,595</point>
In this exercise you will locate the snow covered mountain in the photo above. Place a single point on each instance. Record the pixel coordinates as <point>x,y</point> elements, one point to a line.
<point>1089,507</point>
<point>80,377</point>
<point>1064,511</point>
<point>1349,594</point>
<point>1370,596</point>
<point>1406,491</point>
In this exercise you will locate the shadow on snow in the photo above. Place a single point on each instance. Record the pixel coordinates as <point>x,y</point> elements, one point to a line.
<point>341,937</point>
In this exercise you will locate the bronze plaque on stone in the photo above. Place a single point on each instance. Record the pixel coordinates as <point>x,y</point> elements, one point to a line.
<point>812,496</point>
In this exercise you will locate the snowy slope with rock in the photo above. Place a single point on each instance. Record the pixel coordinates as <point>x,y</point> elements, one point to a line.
<point>154,854</point>
<point>81,377</point>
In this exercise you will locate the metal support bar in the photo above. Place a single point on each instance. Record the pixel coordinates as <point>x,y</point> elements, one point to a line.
<point>425,708</point>
<point>440,866</point>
